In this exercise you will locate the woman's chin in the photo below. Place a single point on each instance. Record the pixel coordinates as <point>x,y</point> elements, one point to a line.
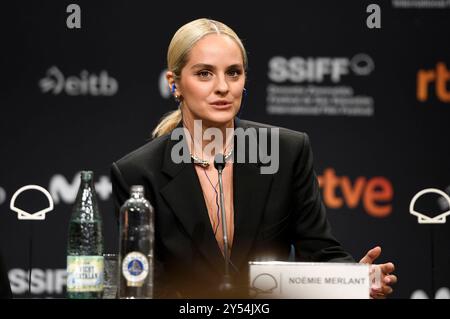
<point>220,119</point>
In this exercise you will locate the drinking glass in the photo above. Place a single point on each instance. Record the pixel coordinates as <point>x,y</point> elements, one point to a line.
<point>111,274</point>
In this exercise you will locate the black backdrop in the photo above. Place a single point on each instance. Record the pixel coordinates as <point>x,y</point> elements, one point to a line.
<point>73,99</point>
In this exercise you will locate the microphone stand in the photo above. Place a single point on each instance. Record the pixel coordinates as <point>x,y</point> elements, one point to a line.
<point>226,285</point>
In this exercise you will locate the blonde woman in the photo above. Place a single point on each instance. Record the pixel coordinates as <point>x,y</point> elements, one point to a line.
<point>266,213</point>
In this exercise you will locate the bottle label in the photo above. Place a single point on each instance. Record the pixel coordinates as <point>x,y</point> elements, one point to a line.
<point>84,273</point>
<point>135,269</point>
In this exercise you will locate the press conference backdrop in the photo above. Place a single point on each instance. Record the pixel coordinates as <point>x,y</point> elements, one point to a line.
<point>372,92</point>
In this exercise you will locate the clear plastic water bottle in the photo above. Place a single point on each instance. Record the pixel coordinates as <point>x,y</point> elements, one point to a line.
<point>85,244</point>
<point>136,231</point>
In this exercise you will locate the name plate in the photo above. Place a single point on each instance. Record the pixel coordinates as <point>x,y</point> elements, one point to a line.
<point>300,280</point>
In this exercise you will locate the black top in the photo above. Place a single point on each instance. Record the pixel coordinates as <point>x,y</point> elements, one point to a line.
<point>272,213</point>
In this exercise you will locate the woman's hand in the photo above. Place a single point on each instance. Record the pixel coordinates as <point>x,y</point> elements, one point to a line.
<point>386,278</point>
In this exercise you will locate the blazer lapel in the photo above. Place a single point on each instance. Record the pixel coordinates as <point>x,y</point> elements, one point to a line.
<point>184,196</point>
<point>251,190</point>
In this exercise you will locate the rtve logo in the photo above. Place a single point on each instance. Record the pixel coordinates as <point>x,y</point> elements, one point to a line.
<point>439,77</point>
<point>375,193</point>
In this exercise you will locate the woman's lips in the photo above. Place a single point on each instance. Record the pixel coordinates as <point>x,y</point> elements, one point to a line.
<point>222,105</point>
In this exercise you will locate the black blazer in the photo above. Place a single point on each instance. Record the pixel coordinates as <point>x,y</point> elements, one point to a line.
<point>272,213</point>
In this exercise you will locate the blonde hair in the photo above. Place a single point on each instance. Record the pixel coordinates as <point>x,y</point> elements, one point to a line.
<point>178,54</point>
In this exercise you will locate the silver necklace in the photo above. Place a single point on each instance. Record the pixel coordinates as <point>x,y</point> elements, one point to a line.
<point>205,163</point>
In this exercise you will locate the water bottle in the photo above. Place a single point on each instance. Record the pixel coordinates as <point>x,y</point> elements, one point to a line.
<point>85,244</point>
<point>136,231</point>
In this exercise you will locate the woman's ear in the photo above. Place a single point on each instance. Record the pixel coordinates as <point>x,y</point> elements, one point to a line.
<point>170,76</point>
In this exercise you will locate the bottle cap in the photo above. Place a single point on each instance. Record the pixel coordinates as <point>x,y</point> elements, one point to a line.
<point>86,175</point>
<point>139,189</point>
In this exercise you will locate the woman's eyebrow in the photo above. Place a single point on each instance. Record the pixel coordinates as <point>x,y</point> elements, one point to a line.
<point>212,67</point>
<point>203,66</point>
<point>236,66</point>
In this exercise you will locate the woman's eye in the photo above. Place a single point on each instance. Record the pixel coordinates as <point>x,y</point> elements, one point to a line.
<point>234,73</point>
<point>204,74</point>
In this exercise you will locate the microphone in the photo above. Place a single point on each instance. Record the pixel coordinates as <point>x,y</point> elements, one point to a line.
<point>226,285</point>
<point>219,162</point>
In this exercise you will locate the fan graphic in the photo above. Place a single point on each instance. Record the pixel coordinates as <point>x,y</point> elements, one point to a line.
<point>263,284</point>
<point>23,215</point>
<point>423,218</point>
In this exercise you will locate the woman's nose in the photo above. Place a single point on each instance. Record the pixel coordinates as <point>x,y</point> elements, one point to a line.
<point>222,85</point>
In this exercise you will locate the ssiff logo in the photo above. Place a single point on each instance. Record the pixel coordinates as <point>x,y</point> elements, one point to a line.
<point>23,215</point>
<point>264,284</point>
<point>422,218</point>
<point>316,86</point>
<point>316,69</point>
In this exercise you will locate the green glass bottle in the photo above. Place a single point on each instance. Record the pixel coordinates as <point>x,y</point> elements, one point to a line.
<point>85,244</point>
